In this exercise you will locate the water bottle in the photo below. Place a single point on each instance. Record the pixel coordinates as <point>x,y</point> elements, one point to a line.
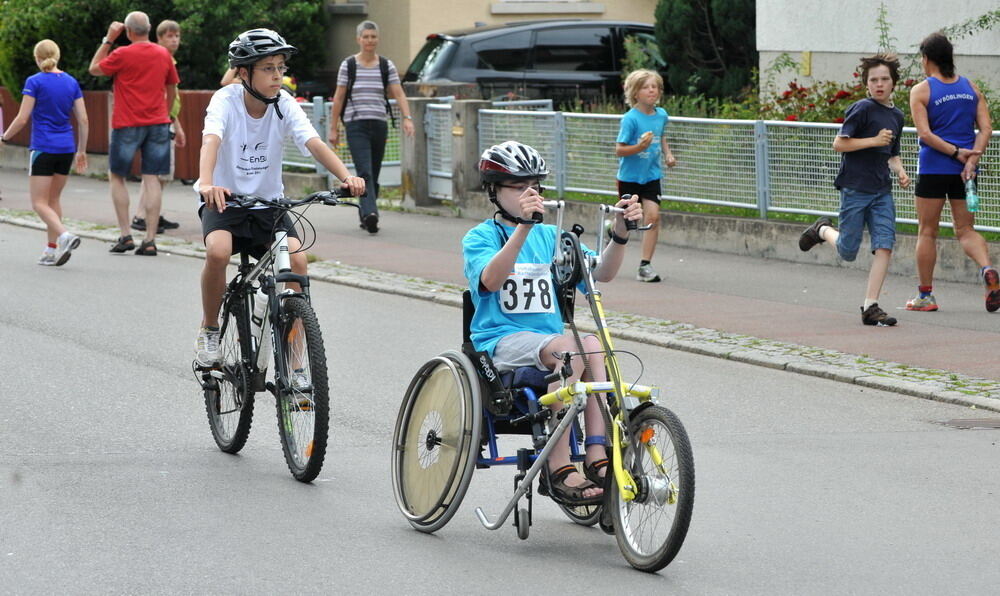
<point>971,196</point>
<point>259,311</point>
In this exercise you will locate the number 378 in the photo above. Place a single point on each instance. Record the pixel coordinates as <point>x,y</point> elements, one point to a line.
<point>519,296</point>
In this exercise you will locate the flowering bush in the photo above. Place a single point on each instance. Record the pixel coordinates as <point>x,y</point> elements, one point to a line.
<point>825,101</point>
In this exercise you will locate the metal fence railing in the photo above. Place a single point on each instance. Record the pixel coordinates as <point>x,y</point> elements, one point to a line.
<point>318,111</point>
<point>763,165</point>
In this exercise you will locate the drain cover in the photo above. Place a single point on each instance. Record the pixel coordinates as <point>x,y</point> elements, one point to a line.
<point>970,423</point>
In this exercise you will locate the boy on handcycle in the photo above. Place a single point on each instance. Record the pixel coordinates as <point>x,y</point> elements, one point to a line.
<point>517,318</point>
<point>241,152</point>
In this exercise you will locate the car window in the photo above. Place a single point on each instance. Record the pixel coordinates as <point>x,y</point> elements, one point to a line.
<point>573,48</point>
<point>427,61</point>
<point>504,52</point>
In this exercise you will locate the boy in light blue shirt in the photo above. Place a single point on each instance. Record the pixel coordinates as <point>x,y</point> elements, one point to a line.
<point>641,145</point>
<point>517,319</point>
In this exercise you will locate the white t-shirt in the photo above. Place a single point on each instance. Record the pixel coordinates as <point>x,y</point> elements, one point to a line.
<point>249,160</point>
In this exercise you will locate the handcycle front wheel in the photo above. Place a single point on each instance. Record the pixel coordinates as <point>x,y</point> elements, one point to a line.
<point>651,528</point>
<point>229,399</point>
<point>302,394</point>
<point>436,441</point>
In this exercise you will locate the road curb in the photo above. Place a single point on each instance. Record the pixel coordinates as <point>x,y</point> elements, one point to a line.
<point>845,368</point>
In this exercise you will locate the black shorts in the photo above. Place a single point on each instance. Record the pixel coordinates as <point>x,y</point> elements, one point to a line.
<point>650,191</point>
<point>48,164</point>
<point>252,229</point>
<point>940,186</point>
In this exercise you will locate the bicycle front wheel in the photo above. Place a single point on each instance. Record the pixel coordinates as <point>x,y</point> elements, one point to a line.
<point>229,399</point>
<point>301,389</point>
<point>651,528</point>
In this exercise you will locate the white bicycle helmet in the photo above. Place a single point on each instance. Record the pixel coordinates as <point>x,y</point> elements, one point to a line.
<point>511,160</point>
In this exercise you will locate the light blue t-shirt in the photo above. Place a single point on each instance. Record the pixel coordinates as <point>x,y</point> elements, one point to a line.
<point>645,165</point>
<point>54,94</point>
<point>529,288</point>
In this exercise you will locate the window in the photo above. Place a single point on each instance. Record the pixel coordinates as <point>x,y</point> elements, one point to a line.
<point>504,52</point>
<point>574,48</point>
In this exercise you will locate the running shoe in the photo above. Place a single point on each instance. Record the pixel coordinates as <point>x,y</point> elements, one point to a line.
<point>991,279</point>
<point>647,274</point>
<point>206,347</point>
<point>47,259</point>
<point>810,237</point>
<point>65,245</point>
<point>873,315</point>
<point>928,304</point>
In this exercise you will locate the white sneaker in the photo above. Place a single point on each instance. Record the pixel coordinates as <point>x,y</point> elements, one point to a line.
<point>206,347</point>
<point>64,247</point>
<point>646,273</point>
<point>47,259</point>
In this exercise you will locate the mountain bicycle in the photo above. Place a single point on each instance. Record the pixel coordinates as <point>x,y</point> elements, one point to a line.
<point>261,316</point>
<point>458,404</point>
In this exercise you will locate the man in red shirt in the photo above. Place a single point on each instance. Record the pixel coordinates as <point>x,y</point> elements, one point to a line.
<point>145,84</point>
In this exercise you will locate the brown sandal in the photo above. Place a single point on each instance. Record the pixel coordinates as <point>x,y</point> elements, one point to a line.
<point>570,495</point>
<point>146,249</point>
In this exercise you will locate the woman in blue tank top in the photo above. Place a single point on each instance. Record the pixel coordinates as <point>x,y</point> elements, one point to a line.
<point>947,109</point>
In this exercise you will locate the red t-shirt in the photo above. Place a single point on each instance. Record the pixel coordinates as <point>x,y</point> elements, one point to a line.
<point>141,71</point>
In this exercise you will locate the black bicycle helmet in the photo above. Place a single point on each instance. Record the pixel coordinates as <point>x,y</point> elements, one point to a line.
<point>511,160</point>
<point>250,46</point>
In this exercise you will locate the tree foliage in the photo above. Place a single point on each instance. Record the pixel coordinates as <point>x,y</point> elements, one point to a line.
<point>710,45</point>
<point>207,27</point>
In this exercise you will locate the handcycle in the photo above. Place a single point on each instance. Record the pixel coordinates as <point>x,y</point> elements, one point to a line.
<point>258,305</point>
<point>458,404</point>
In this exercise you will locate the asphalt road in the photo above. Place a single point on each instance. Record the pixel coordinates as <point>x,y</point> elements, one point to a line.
<point>110,481</point>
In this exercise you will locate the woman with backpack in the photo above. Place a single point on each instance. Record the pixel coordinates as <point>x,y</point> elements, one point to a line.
<point>365,83</point>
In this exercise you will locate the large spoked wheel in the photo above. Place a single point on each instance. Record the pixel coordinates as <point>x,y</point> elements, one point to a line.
<point>229,397</point>
<point>436,441</point>
<point>301,389</point>
<point>651,528</point>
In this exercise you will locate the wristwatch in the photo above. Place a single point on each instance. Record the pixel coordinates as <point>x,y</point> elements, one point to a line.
<point>955,154</point>
<point>106,40</point>
<point>407,117</point>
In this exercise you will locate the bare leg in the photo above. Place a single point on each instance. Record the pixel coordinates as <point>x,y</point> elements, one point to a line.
<point>560,454</point>
<point>650,217</point>
<point>40,189</point>
<point>972,242</point>
<point>218,250</point>
<point>119,196</point>
<point>928,220</point>
<point>876,276</point>
<point>154,198</point>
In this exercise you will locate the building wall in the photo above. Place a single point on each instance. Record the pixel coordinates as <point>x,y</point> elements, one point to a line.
<point>837,34</point>
<point>405,24</point>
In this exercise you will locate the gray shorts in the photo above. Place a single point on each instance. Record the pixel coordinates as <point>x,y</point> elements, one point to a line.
<point>521,349</point>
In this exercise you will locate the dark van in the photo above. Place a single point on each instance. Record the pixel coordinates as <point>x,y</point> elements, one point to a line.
<point>558,59</point>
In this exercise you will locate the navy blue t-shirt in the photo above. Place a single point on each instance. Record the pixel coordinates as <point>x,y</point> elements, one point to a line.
<point>867,170</point>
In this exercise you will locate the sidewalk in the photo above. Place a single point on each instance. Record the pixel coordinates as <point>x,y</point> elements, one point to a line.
<point>793,316</point>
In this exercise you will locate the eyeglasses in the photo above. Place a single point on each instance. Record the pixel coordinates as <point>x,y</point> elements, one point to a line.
<point>523,187</point>
<point>271,70</point>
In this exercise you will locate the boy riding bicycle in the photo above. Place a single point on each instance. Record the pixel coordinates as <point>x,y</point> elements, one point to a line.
<point>507,263</point>
<point>241,152</point>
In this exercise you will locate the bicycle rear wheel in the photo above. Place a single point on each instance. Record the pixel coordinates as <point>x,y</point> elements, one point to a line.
<point>651,528</point>
<point>301,389</point>
<point>229,399</point>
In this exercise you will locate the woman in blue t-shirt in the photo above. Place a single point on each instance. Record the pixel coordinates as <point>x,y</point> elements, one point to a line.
<point>947,109</point>
<point>49,98</point>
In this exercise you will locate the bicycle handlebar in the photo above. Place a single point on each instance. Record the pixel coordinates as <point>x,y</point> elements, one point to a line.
<point>327,197</point>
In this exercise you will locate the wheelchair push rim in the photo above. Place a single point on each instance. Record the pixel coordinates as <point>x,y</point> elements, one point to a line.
<point>435,442</point>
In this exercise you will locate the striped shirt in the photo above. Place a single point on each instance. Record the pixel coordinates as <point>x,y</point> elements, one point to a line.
<point>367,99</point>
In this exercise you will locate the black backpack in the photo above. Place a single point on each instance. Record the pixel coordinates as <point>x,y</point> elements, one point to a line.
<point>352,75</point>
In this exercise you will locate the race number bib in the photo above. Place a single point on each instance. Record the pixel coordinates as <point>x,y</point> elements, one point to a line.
<point>528,290</point>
